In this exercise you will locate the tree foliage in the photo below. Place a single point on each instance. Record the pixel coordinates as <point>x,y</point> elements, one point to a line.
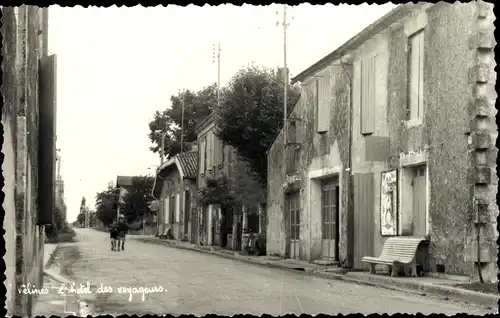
<point>251,115</point>
<point>106,205</point>
<point>138,199</point>
<point>197,106</point>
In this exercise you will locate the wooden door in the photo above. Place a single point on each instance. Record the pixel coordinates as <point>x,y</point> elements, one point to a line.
<point>419,201</point>
<point>293,211</point>
<point>363,218</point>
<point>187,211</point>
<point>329,218</point>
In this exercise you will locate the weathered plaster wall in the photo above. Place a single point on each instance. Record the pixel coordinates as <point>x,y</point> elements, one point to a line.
<point>9,110</point>
<point>444,135</point>
<point>321,155</point>
<point>22,50</point>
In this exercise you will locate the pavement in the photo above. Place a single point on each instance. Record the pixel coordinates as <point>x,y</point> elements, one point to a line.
<point>54,302</point>
<point>180,281</point>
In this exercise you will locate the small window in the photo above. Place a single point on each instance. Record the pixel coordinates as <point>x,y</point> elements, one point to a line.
<point>416,76</point>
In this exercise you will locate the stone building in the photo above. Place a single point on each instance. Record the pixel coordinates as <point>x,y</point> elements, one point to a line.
<point>217,162</point>
<point>28,168</point>
<point>175,188</point>
<point>394,135</point>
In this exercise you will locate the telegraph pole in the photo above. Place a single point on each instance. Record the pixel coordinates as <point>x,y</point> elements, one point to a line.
<point>216,56</point>
<point>182,118</point>
<point>285,74</point>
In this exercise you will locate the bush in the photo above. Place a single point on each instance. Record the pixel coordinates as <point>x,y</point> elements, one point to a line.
<point>64,235</point>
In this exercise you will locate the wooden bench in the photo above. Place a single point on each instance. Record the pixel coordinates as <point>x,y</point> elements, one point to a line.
<point>396,252</point>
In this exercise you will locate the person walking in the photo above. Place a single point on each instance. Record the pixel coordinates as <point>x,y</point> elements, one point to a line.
<point>122,231</point>
<point>113,235</point>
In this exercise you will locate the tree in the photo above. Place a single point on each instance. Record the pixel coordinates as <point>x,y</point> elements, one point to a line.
<point>251,115</point>
<point>106,205</point>
<point>138,199</point>
<point>197,106</point>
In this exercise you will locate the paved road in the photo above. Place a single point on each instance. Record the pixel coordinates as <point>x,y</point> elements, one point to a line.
<point>197,283</point>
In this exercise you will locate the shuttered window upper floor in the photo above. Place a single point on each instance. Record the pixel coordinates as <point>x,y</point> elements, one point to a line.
<point>323,103</point>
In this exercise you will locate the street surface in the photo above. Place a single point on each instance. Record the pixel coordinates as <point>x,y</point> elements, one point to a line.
<point>199,284</point>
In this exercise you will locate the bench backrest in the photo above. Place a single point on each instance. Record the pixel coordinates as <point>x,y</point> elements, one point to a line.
<point>401,248</point>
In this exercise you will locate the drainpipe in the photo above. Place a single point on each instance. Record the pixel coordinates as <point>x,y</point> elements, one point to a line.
<point>349,182</point>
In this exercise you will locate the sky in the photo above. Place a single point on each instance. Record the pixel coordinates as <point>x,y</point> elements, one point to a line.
<point>117,66</point>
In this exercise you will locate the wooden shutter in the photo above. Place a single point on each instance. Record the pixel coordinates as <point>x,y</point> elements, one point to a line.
<point>166,207</point>
<point>202,156</point>
<point>177,208</point>
<point>416,70</point>
<point>323,113</point>
<point>368,95</point>
<point>420,75</point>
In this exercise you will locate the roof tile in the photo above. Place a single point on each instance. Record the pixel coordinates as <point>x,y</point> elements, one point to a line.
<point>189,163</point>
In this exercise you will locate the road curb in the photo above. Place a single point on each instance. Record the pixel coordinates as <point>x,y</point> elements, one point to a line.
<point>50,260</point>
<point>377,281</point>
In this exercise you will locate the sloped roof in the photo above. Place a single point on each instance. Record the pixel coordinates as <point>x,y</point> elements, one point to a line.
<point>384,22</point>
<point>188,163</point>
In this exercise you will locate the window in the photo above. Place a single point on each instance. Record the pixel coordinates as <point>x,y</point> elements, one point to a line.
<point>416,76</point>
<point>323,104</point>
<point>368,95</point>
<point>293,210</point>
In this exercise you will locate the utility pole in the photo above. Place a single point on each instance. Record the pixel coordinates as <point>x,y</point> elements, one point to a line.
<point>182,119</point>
<point>285,74</point>
<point>216,56</point>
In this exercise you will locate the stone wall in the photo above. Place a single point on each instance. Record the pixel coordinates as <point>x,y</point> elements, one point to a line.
<point>319,156</point>
<point>22,51</point>
<point>451,135</point>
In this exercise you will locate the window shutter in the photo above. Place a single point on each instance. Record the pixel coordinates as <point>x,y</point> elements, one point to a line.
<point>368,95</point>
<point>177,208</point>
<point>414,75</point>
<point>166,206</point>
<point>202,156</point>
<point>421,75</point>
<point>324,107</point>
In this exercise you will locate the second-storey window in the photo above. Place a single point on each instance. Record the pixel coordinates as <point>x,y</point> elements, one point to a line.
<point>323,103</point>
<point>416,76</point>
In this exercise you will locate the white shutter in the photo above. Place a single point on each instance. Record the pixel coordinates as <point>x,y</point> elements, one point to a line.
<point>177,208</point>
<point>420,75</point>
<point>368,95</point>
<point>323,113</point>
<point>201,151</point>
<point>414,70</point>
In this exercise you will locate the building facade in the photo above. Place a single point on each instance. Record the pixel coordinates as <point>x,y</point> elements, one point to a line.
<point>28,118</point>
<point>410,137</point>
<point>175,188</point>
<point>217,161</point>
